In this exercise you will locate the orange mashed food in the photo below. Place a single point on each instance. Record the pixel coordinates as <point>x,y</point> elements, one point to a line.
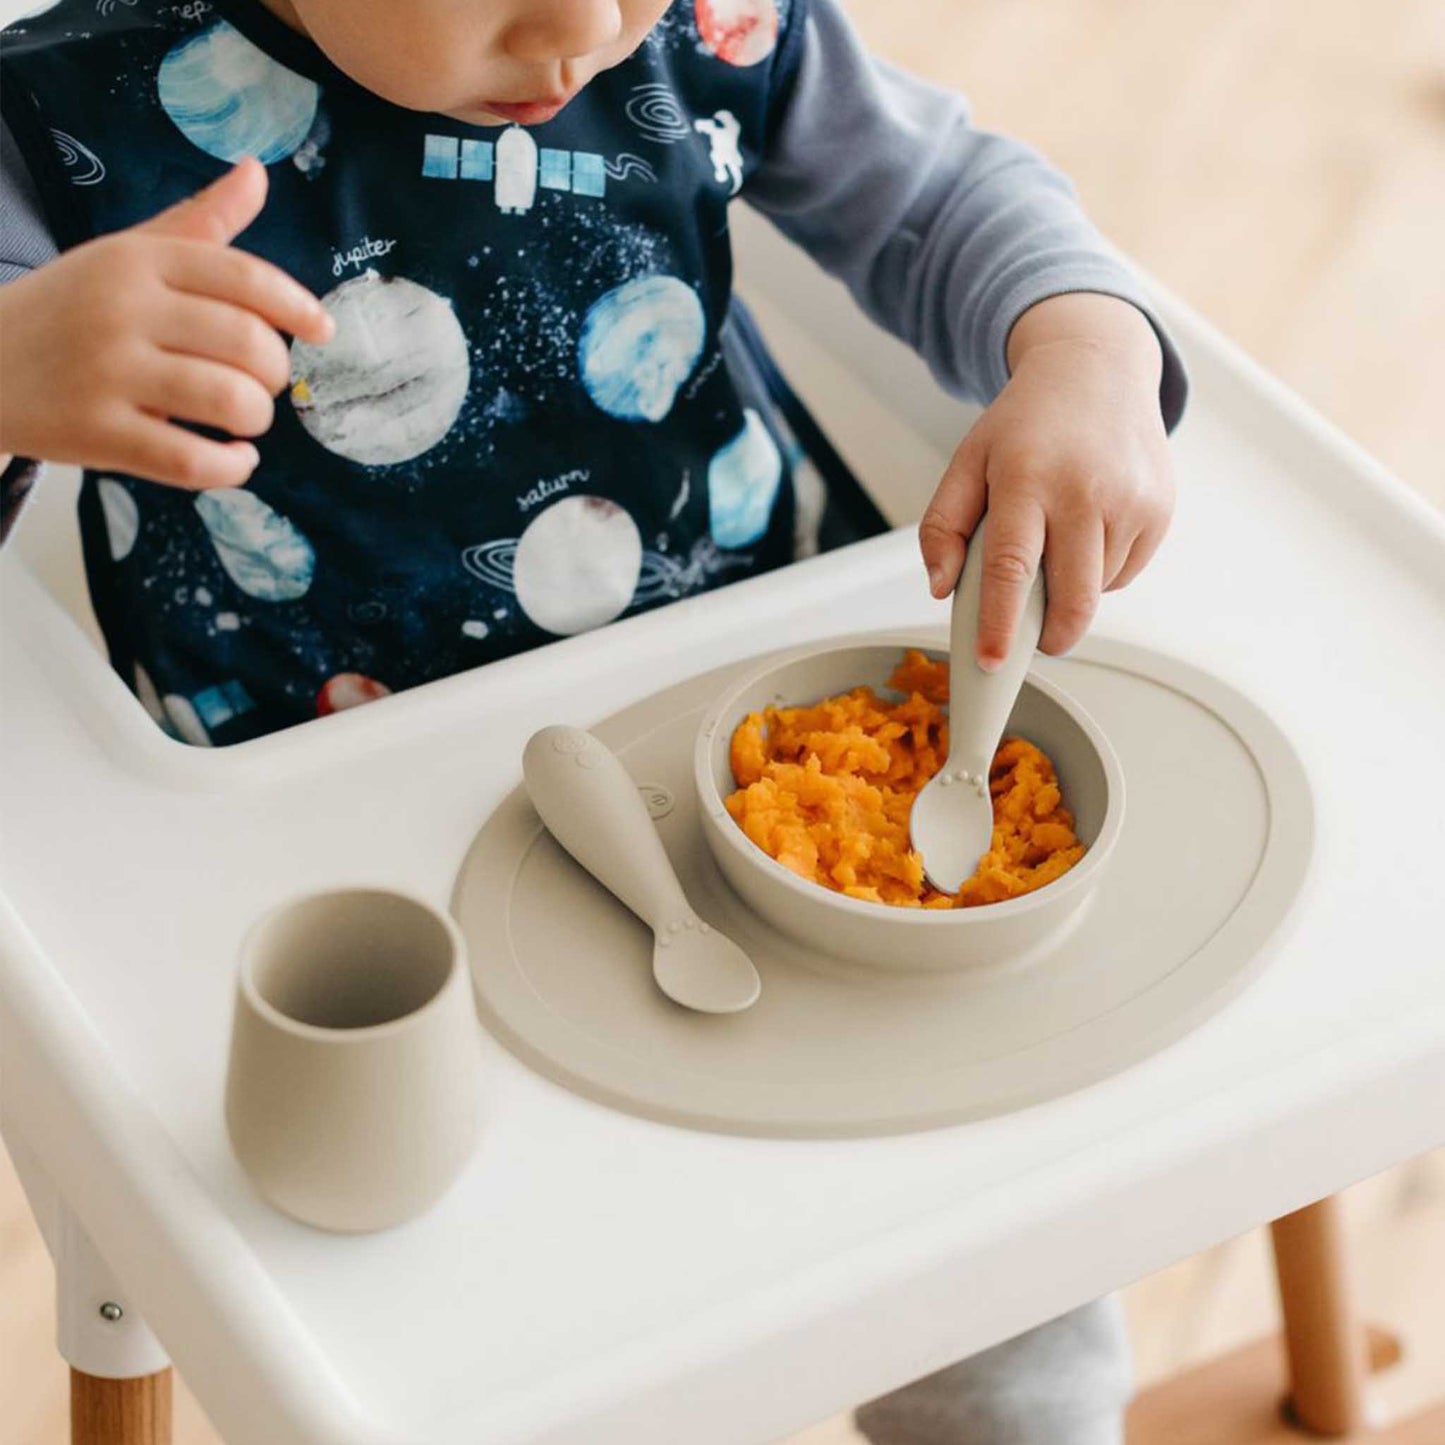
<point>827,790</point>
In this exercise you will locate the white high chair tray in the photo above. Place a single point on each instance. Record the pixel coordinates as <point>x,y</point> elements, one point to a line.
<point>596,1278</point>
<point>1217,836</point>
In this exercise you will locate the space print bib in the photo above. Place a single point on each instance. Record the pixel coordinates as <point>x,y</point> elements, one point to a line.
<point>532,419</point>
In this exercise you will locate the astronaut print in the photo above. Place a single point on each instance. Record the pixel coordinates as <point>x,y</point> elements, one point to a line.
<point>722,131</point>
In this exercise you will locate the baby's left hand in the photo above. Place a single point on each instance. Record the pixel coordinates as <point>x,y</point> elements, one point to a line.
<point>1071,462</point>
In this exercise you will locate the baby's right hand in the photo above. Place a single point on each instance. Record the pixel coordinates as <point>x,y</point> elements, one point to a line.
<point>107,346</point>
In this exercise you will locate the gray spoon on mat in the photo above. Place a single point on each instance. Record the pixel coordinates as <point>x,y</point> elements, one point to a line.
<point>592,808</point>
<point>952,819</point>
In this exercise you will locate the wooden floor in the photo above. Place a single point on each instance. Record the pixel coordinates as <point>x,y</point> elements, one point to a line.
<point>1282,167</point>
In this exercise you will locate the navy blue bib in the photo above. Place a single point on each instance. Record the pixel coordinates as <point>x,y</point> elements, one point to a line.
<point>536,416</point>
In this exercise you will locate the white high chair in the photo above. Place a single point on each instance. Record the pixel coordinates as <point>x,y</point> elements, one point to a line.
<point>558,1295</point>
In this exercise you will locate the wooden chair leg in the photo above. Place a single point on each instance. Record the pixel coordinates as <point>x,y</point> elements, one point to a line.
<point>120,1412</point>
<point>1324,1339</point>
<point>1235,1400</point>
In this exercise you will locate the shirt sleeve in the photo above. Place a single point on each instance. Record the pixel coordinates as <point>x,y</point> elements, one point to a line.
<point>25,237</point>
<point>945,233</point>
<point>25,243</point>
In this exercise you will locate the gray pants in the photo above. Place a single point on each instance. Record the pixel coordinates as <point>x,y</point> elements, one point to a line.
<point>1065,1383</point>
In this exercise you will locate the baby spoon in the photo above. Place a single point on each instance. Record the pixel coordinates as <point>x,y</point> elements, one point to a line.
<point>952,818</point>
<point>592,808</point>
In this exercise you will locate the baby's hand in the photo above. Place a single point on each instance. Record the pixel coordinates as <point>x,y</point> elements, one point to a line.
<point>105,347</point>
<point>1070,461</point>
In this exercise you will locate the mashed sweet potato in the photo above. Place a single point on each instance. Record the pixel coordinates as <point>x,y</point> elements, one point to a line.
<point>827,789</point>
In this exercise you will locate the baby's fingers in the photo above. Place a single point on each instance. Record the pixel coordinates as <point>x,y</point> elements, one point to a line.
<point>1012,545</point>
<point>225,274</point>
<point>198,326</point>
<point>1138,559</point>
<point>191,389</point>
<point>220,211</point>
<point>1140,554</point>
<point>1073,577</point>
<point>146,446</point>
<point>951,517</point>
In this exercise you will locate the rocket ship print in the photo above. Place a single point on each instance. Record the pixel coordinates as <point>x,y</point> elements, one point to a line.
<point>516,183</point>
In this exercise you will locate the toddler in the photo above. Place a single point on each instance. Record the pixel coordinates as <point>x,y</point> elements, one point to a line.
<point>396,336</point>
<point>524,404</point>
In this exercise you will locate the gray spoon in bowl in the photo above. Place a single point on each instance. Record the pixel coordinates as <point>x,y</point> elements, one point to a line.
<point>952,819</point>
<point>592,808</point>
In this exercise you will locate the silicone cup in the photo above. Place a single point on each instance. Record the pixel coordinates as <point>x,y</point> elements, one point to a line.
<point>353,1097</point>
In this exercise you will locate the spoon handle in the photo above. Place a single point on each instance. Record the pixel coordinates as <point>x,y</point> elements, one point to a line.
<point>980,702</point>
<point>592,807</point>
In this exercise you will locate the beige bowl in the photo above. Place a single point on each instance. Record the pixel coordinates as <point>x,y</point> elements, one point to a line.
<point>878,935</point>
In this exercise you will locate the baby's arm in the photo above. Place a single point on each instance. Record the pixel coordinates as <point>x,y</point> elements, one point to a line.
<point>103,348</point>
<point>972,249</point>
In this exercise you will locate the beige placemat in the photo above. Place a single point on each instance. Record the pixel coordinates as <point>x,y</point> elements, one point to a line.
<point>1216,844</point>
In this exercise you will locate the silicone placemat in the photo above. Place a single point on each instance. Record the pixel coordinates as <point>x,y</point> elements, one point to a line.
<point>1216,844</point>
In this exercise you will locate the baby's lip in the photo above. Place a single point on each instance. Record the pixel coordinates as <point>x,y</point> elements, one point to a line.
<point>527,112</point>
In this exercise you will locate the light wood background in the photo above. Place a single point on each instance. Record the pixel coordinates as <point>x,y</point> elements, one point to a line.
<point>1281,165</point>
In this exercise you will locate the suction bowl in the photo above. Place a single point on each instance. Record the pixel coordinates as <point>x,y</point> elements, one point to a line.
<point>881,936</point>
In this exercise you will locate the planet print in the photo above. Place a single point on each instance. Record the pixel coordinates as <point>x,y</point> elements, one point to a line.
<point>122,520</point>
<point>577,565</point>
<point>262,552</point>
<point>742,484</point>
<point>348,689</point>
<point>741,32</point>
<point>231,99</point>
<point>639,343</point>
<point>664,575</point>
<point>390,383</point>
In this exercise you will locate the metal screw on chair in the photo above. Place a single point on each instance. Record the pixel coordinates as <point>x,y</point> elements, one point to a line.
<point>110,1312</point>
